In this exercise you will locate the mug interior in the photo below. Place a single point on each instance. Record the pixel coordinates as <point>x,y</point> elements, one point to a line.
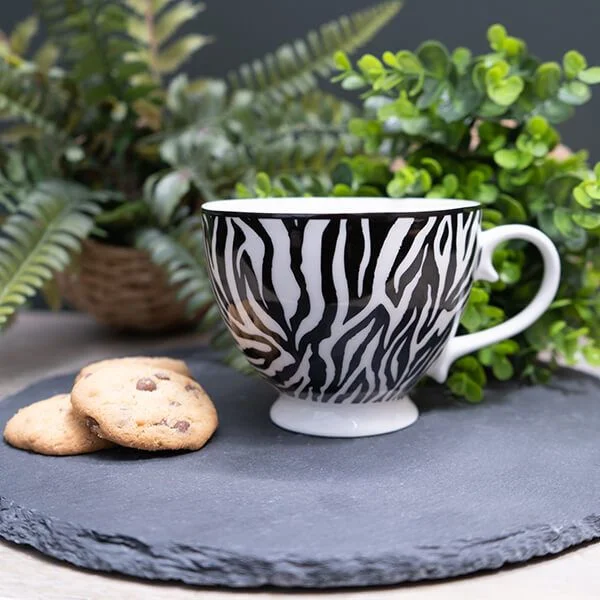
<point>328,206</point>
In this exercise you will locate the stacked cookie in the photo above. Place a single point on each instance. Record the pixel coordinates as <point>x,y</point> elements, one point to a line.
<point>147,403</point>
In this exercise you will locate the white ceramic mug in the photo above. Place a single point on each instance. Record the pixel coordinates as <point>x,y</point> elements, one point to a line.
<point>344,304</point>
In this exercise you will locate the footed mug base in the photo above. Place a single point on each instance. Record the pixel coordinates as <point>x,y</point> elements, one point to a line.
<point>343,420</point>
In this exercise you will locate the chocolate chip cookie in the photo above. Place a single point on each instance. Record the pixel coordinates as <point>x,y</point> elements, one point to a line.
<point>159,362</point>
<point>51,427</point>
<point>145,407</point>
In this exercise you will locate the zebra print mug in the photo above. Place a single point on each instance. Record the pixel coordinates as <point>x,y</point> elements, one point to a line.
<point>344,304</point>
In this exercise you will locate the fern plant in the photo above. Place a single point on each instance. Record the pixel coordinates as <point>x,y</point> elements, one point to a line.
<point>104,137</point>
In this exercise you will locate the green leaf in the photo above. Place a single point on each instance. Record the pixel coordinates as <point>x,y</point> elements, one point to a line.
<point>371,66</point>
<point>172,57</point>
<point>581,197</point>
<point>496,35</point>
<point>458,102</point>
<point>556,111</point>
<point>573,63</point>
<point>172,19</point>
<point>590,76</point>
<point>591,354</point>
<point>537,126</point>
<point>486,356</point>
<point>263,185</point>
<point>561,303</point>
<point>574,93</point>
<point>434,58</point>
<point>587,220</point>
<point>165,193</point>
<point>462,385</point>
<point>592,189</point>
<point>461,57</point>
<point>560,189</point>
<point>563,220</point>
<point>507,159</point>
<point>506,91</point>
<point>45,58</point>
<point>502,368</point>
<point>470,365</point>
<point>546,81</point>
<point>512,209</point>
<point>342,62</point>
<point>478,295</point>
<point>408,62</point>
<point>354,82</point>
<point>471,319</point>
<point>22,34</point>
<point>510,273</point>
<point>557,327</point>
<point>506,347</point>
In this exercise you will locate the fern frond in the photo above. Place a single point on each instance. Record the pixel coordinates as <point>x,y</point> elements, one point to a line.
<point>153,25</point>
<point>301,136</point>
<point>14,48</point>
<point>92,37</point>
<point>180,252</point>
<point>292,151</point>
<point>261,185</point>
<point>19,40</point>
<point>33,98</point>
<point>21,168</point>
<point>40,238</point>
<point>292,69</point>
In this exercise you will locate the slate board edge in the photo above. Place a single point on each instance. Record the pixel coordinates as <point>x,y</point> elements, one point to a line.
<point>211,567</point>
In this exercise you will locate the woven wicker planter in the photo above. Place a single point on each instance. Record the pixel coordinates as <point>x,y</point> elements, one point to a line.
<point>121,287</point>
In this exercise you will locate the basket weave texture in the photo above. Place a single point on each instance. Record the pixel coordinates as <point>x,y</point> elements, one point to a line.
<point>121,287</point>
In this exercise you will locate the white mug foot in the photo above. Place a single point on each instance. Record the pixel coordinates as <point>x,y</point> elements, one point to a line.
<point>343,420</point>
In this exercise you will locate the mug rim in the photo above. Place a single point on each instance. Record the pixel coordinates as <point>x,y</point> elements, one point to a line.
<point>347,207</point>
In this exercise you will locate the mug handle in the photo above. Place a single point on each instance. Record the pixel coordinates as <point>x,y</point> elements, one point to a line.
<point>464,344</point>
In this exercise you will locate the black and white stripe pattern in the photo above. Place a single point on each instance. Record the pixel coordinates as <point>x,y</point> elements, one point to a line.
<point>342,309</point>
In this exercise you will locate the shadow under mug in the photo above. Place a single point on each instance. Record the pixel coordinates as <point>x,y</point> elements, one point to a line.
<point>344,304</point>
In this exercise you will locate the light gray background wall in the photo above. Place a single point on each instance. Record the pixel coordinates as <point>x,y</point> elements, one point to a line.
<point>247,29</point>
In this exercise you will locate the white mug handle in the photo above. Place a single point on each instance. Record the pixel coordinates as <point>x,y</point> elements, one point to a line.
<point>464,344</point>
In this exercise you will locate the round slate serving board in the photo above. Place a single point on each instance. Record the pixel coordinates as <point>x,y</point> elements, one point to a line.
<point>464,489</point>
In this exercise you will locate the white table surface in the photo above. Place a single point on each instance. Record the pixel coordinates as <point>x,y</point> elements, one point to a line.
<point>41,344</point>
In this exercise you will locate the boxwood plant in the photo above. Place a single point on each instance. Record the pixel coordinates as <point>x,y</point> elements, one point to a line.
<point>440,123</point>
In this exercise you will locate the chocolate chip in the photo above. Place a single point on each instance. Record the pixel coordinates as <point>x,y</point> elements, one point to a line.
<point>145,384</point>
<point>194,389</point>
<point>93,426</point>
<point>174,403</point>
<point>181,426</point>
<point>162,376</point>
